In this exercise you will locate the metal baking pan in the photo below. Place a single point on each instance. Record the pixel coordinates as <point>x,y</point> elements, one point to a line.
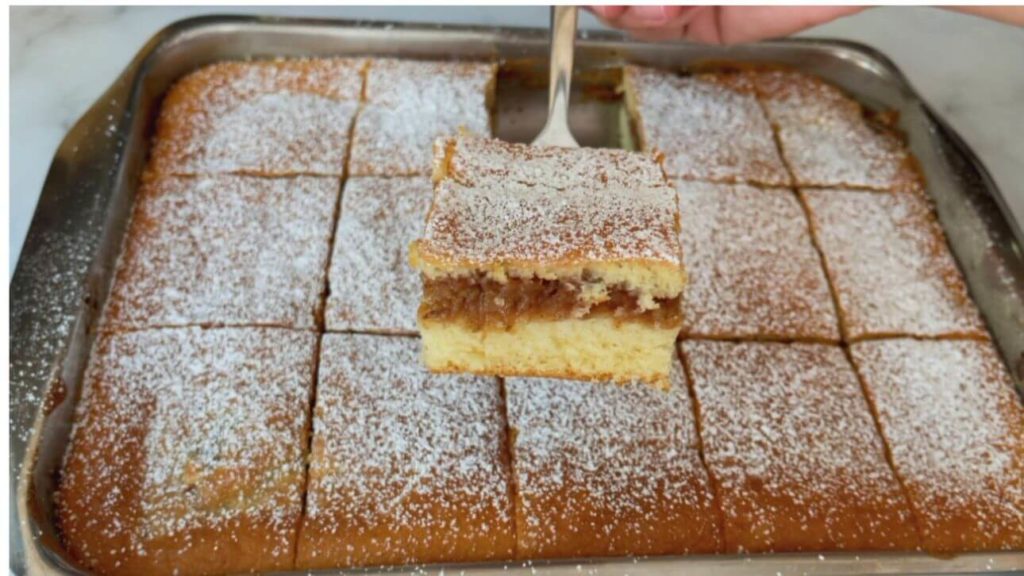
<point>65,266</point>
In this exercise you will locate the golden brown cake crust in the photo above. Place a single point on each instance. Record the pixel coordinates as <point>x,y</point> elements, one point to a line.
<point>708,126</point>
<point>791,446</point>
<point>607,471</point>
<point>752,268</point>
<point>187,454</point>
<point>268,118</point>
<point>406,467</point>
<point>409,103</point>
<point>224,250</point>
<point>955,429</point>
<point>373,288</point>
<point>889,265</point>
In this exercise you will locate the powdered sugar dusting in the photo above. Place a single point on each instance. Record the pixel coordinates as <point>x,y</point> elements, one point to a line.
<point>790,442</point>
<point>409,104</point>
<point>224,250</point>
<point>507,220</point>
<point>406,466</point>
<point>604,470</point>
<point>825,138</point>
<point>709,126</point>
<point>752,269</point>
<point>276,117</point>
<point>187,440</point>
<point>480,161</point>
<point>955,428</point>
<point>373,288</point>
<point>889,265</point>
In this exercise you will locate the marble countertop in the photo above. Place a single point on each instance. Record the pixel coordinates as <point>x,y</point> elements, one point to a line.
<point>62,59</point>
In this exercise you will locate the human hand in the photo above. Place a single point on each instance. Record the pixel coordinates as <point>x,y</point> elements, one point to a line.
<point>718,24</point>
<point>735,24</point>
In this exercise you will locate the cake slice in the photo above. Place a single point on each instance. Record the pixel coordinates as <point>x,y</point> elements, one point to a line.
<point>280,117</point>
<point>608,470</point>
<point>549,262</point>
<point>827,139</point>
<point>752,269</point>
<point>892,272</point>
<point>405,466</point>
<point>955,429</point>
<point>224,250</point>
<point>709,126</point>
<point>373,289</point>
<point>188,452</point>
<point>792,449</point>
<point>409,103</point>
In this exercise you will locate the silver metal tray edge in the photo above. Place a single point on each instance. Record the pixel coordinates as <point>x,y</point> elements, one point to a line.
<point>64,270</point>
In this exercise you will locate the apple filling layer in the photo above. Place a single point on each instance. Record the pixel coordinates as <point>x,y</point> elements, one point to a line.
<point>478,302</point>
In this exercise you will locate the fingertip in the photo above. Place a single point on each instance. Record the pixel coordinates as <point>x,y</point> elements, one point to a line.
<point>608,12</point>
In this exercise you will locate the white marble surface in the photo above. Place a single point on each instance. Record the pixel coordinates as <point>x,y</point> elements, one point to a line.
<point>970,70</point>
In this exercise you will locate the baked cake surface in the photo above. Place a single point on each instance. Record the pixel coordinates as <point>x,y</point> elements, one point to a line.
<point>268,118</point>
<point>373,288</point>
<point>790,443</point>
<point>752,269</point>
<point>889,265</point>
<point>608,470</point>
<point>188,452</point>
<point>409,103</point>
<point>826,138</point>
<point>708,126</point>
<point>224,250</point>
<point>955,429</point>
<point>486,162</point>
<point>529,272</point>
<point>406,467</point>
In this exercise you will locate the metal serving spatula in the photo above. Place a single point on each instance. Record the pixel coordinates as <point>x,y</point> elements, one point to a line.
<point>563,39</point>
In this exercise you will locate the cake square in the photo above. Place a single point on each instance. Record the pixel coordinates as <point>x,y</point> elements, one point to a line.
<point>406,467</point>
<point>188,452</point>
<point>890,268</point>
<point>792,448</point>
<point>955,429</point>
<point>268,118</point>
<point>752,268</point>
<point>410,103</point>
<point>709,126</point>
<point>827,138</point>
<point>604,470</point>
<point>224,250</point>
<point>551,262</point>
<point>372,286</point>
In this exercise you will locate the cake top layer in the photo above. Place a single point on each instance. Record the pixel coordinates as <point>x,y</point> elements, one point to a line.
<point>267,117</point>
<point>372,285</point>
<point>552,212</point>
<point>826,137</point>
<point>479,162</point>
<point>183,429</point>
<point>396,446</point>
<point>890,266</point>
<point>224,250</point>
<point>952,420</point>
<point>708,126</point>
<point>790,419</point>
<point>752,268</point>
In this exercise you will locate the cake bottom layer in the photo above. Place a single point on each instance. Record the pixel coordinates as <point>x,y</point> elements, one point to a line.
<point>598,348</point>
